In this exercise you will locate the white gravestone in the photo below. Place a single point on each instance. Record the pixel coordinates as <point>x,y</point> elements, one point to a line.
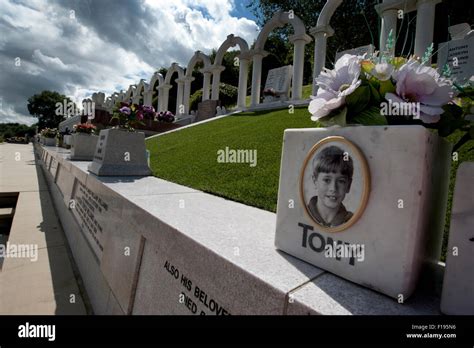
<point>120,153</point>
<point>279,80</point>
<point>458,287</point>
<point>83,146</point>
<point>359,51</point>
<point>371,221</point>
<point>459,55</point>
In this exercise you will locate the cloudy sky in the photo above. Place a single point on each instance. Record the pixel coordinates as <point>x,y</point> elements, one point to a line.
<point>78,47</point>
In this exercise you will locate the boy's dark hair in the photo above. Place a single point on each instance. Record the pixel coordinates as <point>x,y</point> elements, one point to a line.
<point>331,160</point>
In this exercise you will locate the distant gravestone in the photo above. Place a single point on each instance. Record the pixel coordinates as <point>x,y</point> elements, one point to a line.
<point>359,51</point>
<point>458,54</point>
<point>459,31</point>
<point>277,85</point>
<point>206,109</point>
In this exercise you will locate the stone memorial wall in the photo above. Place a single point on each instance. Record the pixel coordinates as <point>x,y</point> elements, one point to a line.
<point>147,246</point>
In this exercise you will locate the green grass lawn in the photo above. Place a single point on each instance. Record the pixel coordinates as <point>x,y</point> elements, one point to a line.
<point>189,156</point>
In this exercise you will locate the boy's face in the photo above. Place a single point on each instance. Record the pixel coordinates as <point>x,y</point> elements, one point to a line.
<point>332,188</point>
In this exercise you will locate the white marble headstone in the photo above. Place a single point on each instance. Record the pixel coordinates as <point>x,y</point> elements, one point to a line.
<point>279,79</point>
<point>402,223</point>
<point>120,153</point>
<point>359,51</point>
<point>459,55</point>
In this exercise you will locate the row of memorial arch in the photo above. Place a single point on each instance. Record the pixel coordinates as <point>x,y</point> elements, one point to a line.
<point>143,92</point>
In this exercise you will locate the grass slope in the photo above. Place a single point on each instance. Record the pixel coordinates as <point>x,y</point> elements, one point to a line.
<point>189,157</point>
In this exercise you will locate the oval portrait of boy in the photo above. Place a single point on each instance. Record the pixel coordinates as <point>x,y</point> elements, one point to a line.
<point>334,184</point>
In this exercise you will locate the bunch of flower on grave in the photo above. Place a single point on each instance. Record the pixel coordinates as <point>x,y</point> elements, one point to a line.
<point>382,89</point>
<point>128,116</point>
<point>269,92</point>
<point>149,112</point>
<point>85,128</point>
<point>165,116</point>
<point>49,132</point>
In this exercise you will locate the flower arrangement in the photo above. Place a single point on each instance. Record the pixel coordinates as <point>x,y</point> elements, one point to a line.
<point>165,116</point>
<point>49,132</point>
<point>85,128</point>
<point>129,116</point>
<point>148,112</point>
<point>383,89</point>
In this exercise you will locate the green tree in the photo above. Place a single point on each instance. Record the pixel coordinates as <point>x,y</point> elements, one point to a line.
<point>230,75</point>
<point>44,107</point>
<point>8,130</point>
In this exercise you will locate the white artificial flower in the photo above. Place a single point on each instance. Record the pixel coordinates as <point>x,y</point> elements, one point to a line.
<point>334,86</point>
<point>383,71</point>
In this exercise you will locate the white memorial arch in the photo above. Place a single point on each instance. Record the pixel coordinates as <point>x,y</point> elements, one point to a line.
<point>165,88</point>
<point>188,78</point>
<point>156,78</point>
<point>299,40</point>
<point>389,11</point>
<point>243,60</point>
<point>138,95</point>
<point>130,93</point>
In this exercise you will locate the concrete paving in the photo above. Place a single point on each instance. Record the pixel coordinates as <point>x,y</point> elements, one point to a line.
<point>39,278</point>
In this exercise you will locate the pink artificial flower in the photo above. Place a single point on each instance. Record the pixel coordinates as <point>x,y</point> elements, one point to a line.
<point>416,83</point>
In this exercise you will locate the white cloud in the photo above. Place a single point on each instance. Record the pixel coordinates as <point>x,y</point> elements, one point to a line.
<point>106,47</point>
<point>8,114</point>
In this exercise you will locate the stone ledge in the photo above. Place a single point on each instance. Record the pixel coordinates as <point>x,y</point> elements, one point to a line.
<point>223,247</point>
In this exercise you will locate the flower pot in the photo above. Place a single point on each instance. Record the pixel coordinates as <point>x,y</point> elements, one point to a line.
<point>49,141</point>
<point>392,207</point>
<point>120,153</point>
<point>83,146</point>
